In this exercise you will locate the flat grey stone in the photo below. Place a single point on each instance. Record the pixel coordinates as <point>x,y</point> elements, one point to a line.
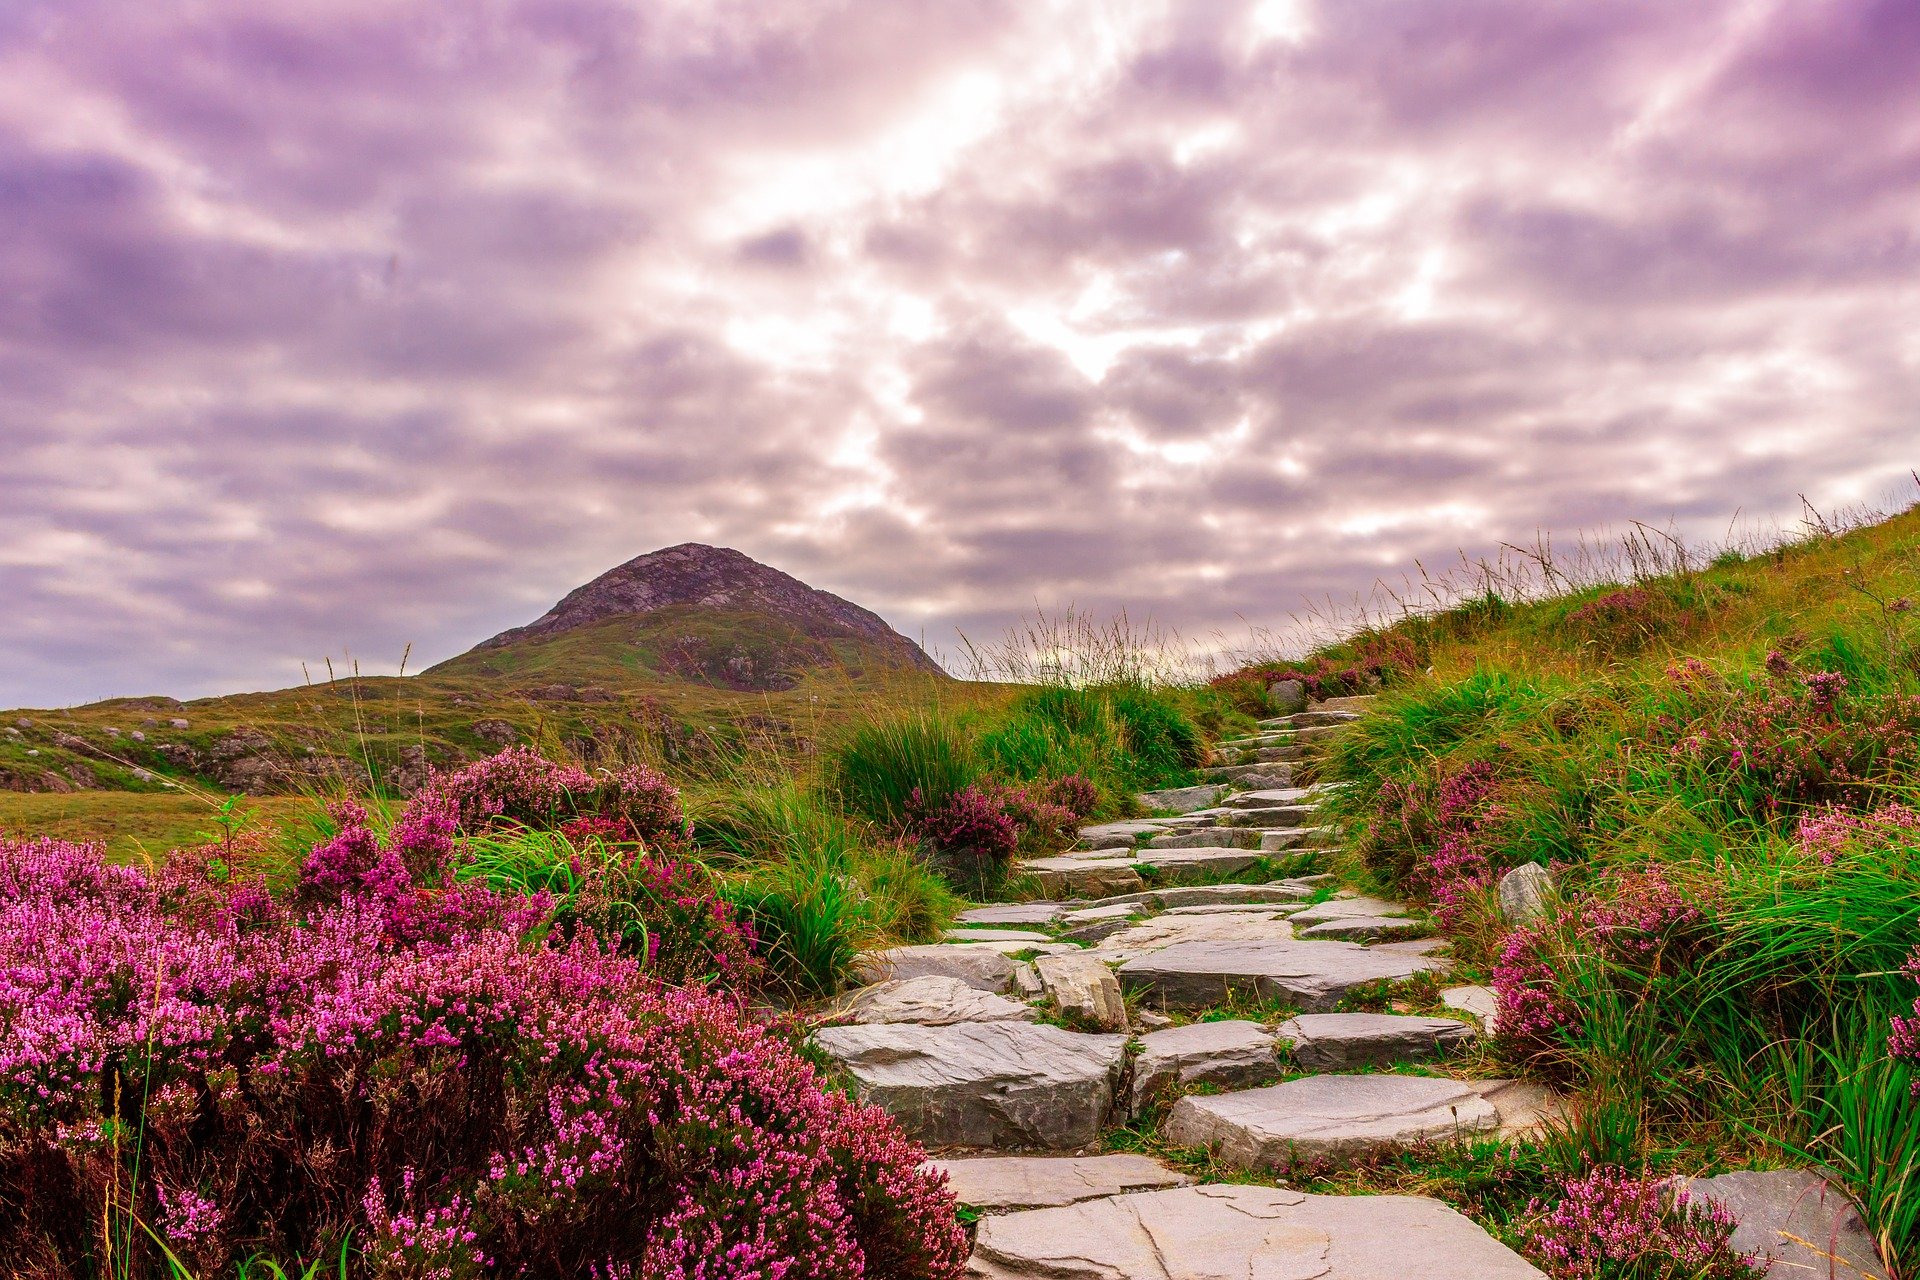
<point>1343,1041</point>
<point>1311,975</point>
<point>1008,1085</point>
<point>1207,838</point>
<point>1525,893</point>
<point>1237,1055</point>
<point>1177,864</point>
<point>1014,913</point>
<point>1282,839</point>
<point>974,964</point>
<point>1349,908</point>
<point>1104,911</point>
<point>1247,928</point>
<point>1242,1233</point>
<point>1083,988</point>
<point>1335,1117</point>
<point>1126,831</point>
<point>1272,818</point>
<point>932,1000</point>
<point>1321,718</point>
<point>1287,696</point>
<point>1083,878</point>
<point>1268,798</point>
<point>1004,1184</point>
<point>995,935</point>
<point>1099,930</point>
<point>1317,733</point>
<point>1251,775</point>
<point>1352,702</point>
<point>1362,928</point>
<point>1022,947</point>
<point>1219,908</point>
<point>1180,799</point>
<point>1776,1210</point>
<point>1481,1002</point>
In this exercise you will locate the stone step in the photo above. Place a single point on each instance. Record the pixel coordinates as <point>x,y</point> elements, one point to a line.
<point>1117,834</point>
<point>1180,799</point>
<point>1229,1054</point>
<point>1357,919</point>
<point>1282,839</point>
<point>1012,913</point>
<point>931,1000</point>
<point>1005,1085</point>
<point>1352,702</point>
<point>1179,866</point>
<point>1321,718</point>
<point>1209,837</point>
<point>994,935</point>
<point>1344,1041</point>
<point>1267,819</point>
<point>978,966</point>
<point>1255,742</point>
<point>1244,1232</point>
<point>1268,798</point>
<point>1279,893</point>
<point>1336,1119</point>
<point>1251,775</point>
<point>1261,755</point>
<point>1008,1184</point>
<point>1068,877</point>
<point>1313,976</point>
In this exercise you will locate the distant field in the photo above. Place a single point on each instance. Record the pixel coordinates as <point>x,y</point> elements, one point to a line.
<point>132,824</point>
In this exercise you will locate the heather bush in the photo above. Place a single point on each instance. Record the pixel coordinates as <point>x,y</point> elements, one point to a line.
<point>1612,1224</point>
<point>518,786</point>
<point>969,835</point>
<point>1368,662</point>
<point>450,1093</point>
<point>1626,620</point>
<point>875,771</point>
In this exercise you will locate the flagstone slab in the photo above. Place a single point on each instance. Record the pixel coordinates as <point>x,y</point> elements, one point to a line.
<point>1207,838</point>
<point>1242,1233</point>
<point>1233,1054</point>
<point>1340,1118</point>
<point>1083,878</point>
<point>933,1000</point>
<point>1006,1085</point>
<point>1012,913</point>
<point>995,935</point>
<point>1197,973</point>
<point>975,964</point>
<point>1796,1218</point>
<point>1254,930</point>
<point>1343,1041</point>
<point>1006,1184</point>
<point>1180,799</point>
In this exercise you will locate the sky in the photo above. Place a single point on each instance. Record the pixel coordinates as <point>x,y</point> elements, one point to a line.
<point>333,326</point>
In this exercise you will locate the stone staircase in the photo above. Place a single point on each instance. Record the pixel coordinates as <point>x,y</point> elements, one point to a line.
<point>1150,935</point>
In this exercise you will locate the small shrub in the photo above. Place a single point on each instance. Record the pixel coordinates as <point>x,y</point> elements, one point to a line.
<point>970,835</point>
<point>1612,1224</point>
<point>877,769</point>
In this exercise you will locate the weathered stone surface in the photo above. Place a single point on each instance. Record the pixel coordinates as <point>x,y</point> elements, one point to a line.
<point>1247,928</point>
<point>1321,718</point>
<point>1083,988</point>
<point>1331,1117</point>
<point>1207,838</point>
<point>1418,946</point>
<point>1180,799</point>
<point>1481,1002</point>
<point>1362,928</point>
<point>1127,910</point>
<point>1004,1184</point>
<point>1313,975</point>
<point>1271,819</point>
<point>1287,696</point>
<point>977,966</point>
<point>1217,908</point>
<point>1237,1055</point>
<point>1095,931</point>
<point>1083,878</point>
<point>1021,947</point>
<point>1242,1233</point>
<point>1776,1211</point>
<point>1349,908</point>
<point>1525,893</point>
<point>1283,839</point>
<point>1267,798</point>
<point>1177,864</point>
<point>1008,1085</point>
<point>1343,1041</point>
<point>1250,775</point>
<point>1188,895</point>
<point>996,935</point>
<point>931,1000</point>
<point>1352,702</point>
<point>1012,913</point>
<point>1125,833</point>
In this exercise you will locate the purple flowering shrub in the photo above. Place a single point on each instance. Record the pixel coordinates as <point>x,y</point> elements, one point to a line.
<point>452,1089</point>
<point>1628,619</point>
<point>1441,838</point>
<point>1829,832</point>
<point>1797,738</point>
<point>518,785</point>
<point>1903,1043</point>
<point>1612,1224</point>
<point>968,835</point>
<point>1369,662</point>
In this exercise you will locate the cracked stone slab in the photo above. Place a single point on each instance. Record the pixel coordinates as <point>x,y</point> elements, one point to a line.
<point>1008,1085</point>
<point>1272,774</point>
<point>1347,908</point>
<point>1794,1216</point>
<point>1236,1055</point>
<point>1197,973</point>
<point>1122,833</point>
<point>1256,929</point>
<point>1363,928</point>
<point>1005,1184</point>
<point>1083,878</point>
<point>1283,839</point>
<point>1214,860</point>
<point>1342,1041</point>
<point>995,935</point>
<point>1269,798</point>
<point>1180,799</point>
<point>975,964</point>
<point>1481,1002</point>
<point>1242,1233</point>
<point>932,1000</point>
<point>1012,913</point>
<point>1207,838</point>
<point>1195,894</point>
<point>1330,1117</point>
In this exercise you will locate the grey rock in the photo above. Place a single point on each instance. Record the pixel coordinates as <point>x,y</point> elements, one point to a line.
<point>1526,893</point>
<point>931,1000</point>
<point>1250,775</point>
<point>1148,1020</point>
<point>1312,975</point>
<point>1083,988</point>
<point>1481,1002</point>
<point>1207,838</point>
<point>1015,913</point>
<point>977,966</point>
<point>1352,702</point>
<point>1180,799</point>
<point>1242,1233</point>
<point>1105,911</point>
<point>1322,718</point>
<point>1247,928</point>
<point>1267,798</point>
<point>1287,696</point>
<point>1221,908</point>
<point>1285,839</point>
<point>178,723</point>
<point>1175,865</point>
<point>1343,1041</point>
<point>1777,1210</point>
<point>1097,930</point>
<point>1279,893</point>
<point>1008,1085</point>
<point>1126,831</point>
<point>1363,928</point>
<point>1272,819</point>
<point>1333,1117</point>
<point>1084,878</point>
<point>1349,908</point>
<point>1003,1184</point>
<point>996,935</point>
<point>1236,1055</point>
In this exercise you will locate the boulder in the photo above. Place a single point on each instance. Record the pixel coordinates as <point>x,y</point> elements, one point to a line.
<point>931,1000</point>
<point>1180,799</point>
<point>1003,1184</point>
<point>1235,1055</point>
<point>1242,1233</point>
<point>977,966</point>
<point>1313,976</point>
<point>1008,1085</point>
<point>1795,1217</point>
<point>1083,989</point>
<point>1287,696</point>
<point>1343,1041</point>
<point>1526,893</point>
<point>1335,1117</point>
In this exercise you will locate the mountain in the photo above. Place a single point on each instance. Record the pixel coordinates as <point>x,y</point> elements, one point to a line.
<point>711,615</point>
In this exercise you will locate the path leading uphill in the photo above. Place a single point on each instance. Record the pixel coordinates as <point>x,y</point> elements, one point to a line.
<point>1191,957</point>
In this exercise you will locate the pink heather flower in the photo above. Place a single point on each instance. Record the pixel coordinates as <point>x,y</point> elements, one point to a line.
<point>1827,832</point>
<point>1611,1222</point>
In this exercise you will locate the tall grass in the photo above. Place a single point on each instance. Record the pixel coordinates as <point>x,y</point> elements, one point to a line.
<point>878,766</point>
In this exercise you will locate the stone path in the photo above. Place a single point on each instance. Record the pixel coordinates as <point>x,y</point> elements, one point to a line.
<point>1191,932</point>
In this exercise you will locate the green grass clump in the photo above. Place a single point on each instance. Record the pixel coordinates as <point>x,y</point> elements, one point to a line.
<point>876,768</point>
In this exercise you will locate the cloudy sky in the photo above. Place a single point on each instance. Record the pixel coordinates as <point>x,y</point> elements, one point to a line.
<point>328,326</point>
